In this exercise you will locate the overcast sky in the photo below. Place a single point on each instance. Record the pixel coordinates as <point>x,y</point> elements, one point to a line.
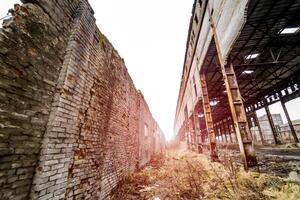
<point>151,37</point>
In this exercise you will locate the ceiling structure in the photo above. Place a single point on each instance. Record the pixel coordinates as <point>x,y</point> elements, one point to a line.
<point>265,56</point>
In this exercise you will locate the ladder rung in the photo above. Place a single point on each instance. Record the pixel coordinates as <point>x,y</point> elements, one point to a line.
<point>237,102</point>
<point>247,141</point>
<point>229,73</point>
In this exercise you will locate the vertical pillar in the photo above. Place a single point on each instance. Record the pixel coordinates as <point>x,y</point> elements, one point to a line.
<point>223,130</point>
<point>191,131</point>
<point>236,106</point>
<point>233,129</point>
<point>217,133</point>
<point>220,132</point>
<point>289,121</point>
<point>197,132</point>
<point>259,128</point>
<point>202,135</point>
<point>194,131</point>
<point>250,125</point>
<point>208,119</point>
<point>249,122</point>
<point>57,158</point>
<point>229,130</point>
<point>187,133</point>
<point>239,116</point>
<point>271,122</point>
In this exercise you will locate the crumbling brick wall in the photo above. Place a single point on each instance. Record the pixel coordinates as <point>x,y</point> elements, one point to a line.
<point>160,141</point>
<point>151,140</point>
<point>70,113</point>
<point>32,49</point>
<point>147,131</point>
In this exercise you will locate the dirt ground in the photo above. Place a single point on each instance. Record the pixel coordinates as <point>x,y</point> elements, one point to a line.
<point>183,174</point>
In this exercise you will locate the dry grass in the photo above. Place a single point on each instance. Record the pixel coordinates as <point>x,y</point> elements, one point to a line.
<point>187,175</point>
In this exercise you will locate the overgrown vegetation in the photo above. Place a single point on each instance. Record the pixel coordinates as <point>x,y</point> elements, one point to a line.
<point>187,175</point>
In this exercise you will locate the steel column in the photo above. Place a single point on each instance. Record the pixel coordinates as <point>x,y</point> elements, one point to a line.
<point>192,128</point>
<point>256,123</point>
<point>223,130</point>
<point>239,116</point>
<point>220,132</point>
<point>208,119</point>
<point>202,135</point>
<point>197,131</point>
<point>271,122</point>
<point>234,132</point>
<point>229,130</point>
<point>250,125</point>
<point>289,121</point>
<point>259,128</point>
<point>236,106</point>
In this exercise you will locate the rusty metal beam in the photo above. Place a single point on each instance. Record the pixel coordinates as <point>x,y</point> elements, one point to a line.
<point>296,140</point>
<point>271,122</point>
<point>195,130</point>
<point>223,131</point>
<point>256,122</point>
<point>208,119</point>
<point>203,134</point>
<point>239,117</point>
<point>219,132</point>
<point>229,130</point>
<point>236,106</point>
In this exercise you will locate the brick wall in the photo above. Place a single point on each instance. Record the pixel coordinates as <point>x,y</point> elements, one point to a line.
<point>32,49</point>
<point>146,132</point>
<point>70,114</point>
<point>159,141</point>
<point>151,139</point>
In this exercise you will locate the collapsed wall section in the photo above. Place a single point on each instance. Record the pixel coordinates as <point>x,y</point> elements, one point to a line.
<point>70,115</point>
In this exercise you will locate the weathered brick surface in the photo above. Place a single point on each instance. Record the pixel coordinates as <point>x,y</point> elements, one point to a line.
<point>31,54</point>
<point>147,127</point>
<point>151,140</point>
<point>72,122</point>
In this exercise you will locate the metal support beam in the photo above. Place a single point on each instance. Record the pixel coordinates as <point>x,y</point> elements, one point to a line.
<point>236,106</point>
<point>202,133</point>
<point>220,132</point>
<point>234,132</point>
<point>289,121</point>
<point>223,131</point>
<point>216,132</point>
<point>208,119</point>
<point>239,117</point>
<point>229,130</point>
<point>197,131</point>
<point>249,121</point>
<point>256,122</point>
<point>192,130</point>
<point>271,122</point>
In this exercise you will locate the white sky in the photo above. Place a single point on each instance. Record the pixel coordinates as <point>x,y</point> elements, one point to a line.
<point>292,106</point>
<point>151,37</point>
